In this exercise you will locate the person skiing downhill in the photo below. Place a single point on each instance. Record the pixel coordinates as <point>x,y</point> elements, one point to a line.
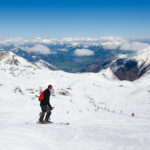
<point>46,106</point>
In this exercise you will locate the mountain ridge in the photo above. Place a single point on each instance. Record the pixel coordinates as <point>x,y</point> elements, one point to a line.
<point>85,54</point>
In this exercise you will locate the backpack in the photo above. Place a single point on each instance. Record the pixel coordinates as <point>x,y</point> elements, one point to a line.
<point>41,97</point>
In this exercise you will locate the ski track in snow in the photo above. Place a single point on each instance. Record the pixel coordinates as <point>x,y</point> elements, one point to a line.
<point>92,107</point>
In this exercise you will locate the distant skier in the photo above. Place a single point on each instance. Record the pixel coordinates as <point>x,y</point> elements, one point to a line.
<point>45,105</point>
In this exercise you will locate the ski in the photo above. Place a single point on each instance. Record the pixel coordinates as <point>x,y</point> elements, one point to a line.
<point>54,123</point>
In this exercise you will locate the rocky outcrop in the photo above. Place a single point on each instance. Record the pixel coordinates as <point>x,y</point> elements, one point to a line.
<point>97,66</point>
<point>125,69</point>
<point>9,57</point>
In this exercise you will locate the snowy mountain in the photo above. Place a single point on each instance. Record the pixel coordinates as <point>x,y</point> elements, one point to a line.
<point>125,67</point>
<point>131,67</point>
<point>68,54</point>
<point>98,107</point>
<point>42,63</point>
<point>83,54</point>
<point>17,65</point>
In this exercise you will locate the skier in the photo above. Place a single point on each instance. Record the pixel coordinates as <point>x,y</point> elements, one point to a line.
<point>45,106</point>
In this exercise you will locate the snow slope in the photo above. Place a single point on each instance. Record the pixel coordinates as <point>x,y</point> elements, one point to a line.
<point>143,56</point>
<point>97,106</point>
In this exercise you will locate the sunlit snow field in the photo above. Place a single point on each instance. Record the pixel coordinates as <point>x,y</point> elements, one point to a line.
<point>97,106</point>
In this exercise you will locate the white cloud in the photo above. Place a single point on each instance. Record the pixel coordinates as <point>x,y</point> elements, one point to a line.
<point>111,43</point>
<point>83,52</point>
<point>63,49</point>
<point>13,41</point>
<point>108,43</point>
<point>42,49</point>
<point>135,46</point>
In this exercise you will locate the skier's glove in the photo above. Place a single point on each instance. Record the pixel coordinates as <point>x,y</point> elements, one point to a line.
<point>52,108</point>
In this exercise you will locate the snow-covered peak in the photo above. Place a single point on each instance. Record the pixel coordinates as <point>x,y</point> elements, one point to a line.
<point>10,58</point>
<point>43,64</point>
<point>108,74</point>
<point>15,65</point>
<point>143,56</point>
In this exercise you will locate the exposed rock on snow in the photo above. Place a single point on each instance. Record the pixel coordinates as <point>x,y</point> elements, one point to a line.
<point>18,90</point>
<point>18,66</point>
<point>126,69</point>
<point>133,67</point>
<point>64,92</point>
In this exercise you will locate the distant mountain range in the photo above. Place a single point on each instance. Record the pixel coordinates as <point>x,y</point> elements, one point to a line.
<point>83,55</point>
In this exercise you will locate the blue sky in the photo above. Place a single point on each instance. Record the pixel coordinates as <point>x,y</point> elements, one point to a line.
<point>74,18</point>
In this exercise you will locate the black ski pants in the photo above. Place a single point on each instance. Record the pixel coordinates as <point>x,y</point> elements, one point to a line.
<point>45,110</point>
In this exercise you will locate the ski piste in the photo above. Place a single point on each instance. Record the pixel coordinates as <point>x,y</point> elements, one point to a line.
<point>54,123</point>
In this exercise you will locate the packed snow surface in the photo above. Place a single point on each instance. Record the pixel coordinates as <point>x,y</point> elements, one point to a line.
<point>97,106</point>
